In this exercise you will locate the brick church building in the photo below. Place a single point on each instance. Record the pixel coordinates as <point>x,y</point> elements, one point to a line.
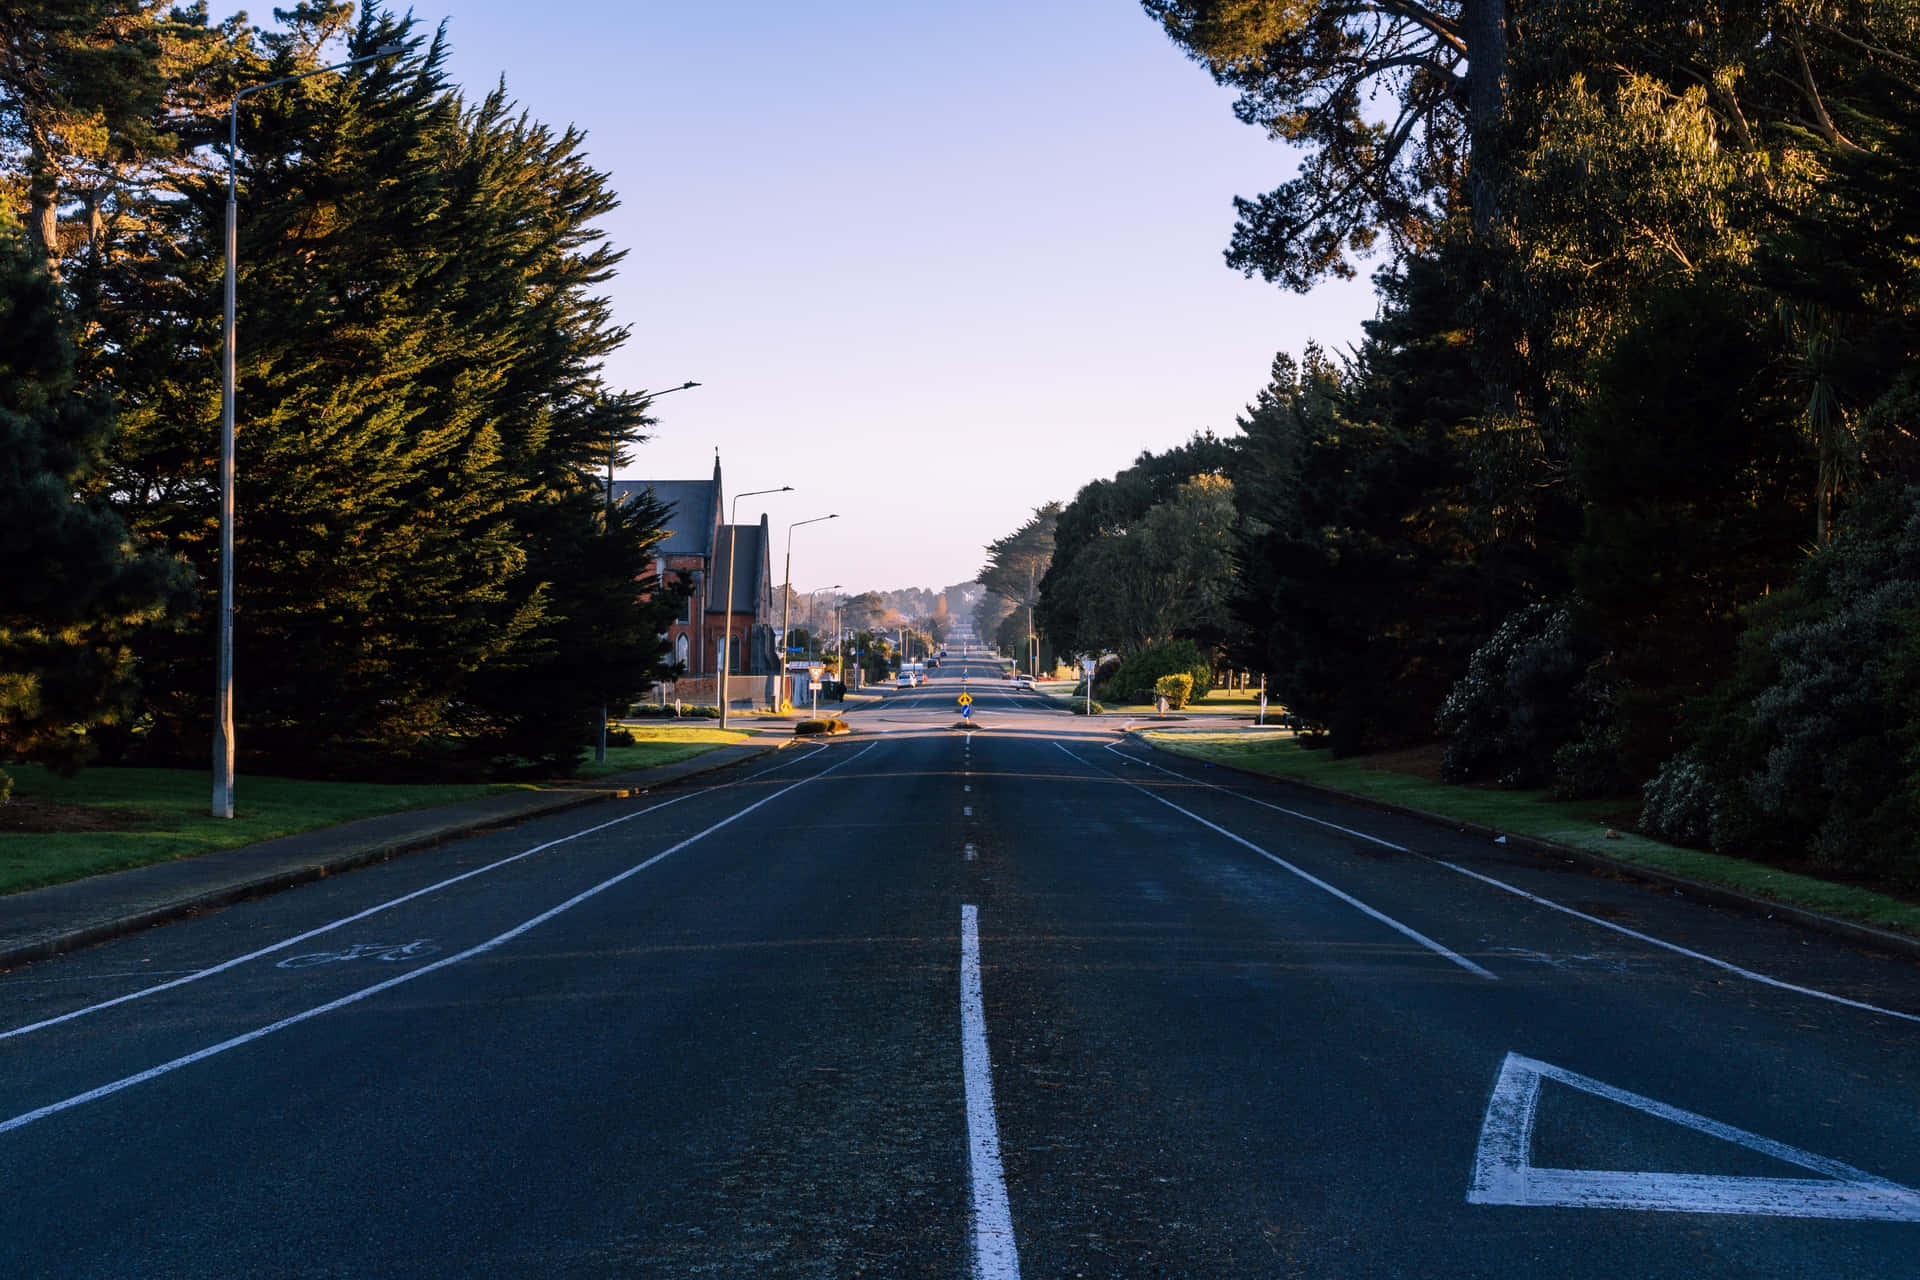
<point>698,544</point>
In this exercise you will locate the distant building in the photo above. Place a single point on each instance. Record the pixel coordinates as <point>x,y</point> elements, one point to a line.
<point>698,544</point>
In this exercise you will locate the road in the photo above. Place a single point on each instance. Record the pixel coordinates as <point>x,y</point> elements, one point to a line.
<point>1025,1001</point>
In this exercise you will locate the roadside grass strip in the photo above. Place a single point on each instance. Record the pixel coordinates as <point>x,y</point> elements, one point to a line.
<point>1579,824</point>
<point>365,993</point>
<point>994,1254</point>
<point>1404,930</point>
<point>1723,965</point>
<point>285,943</point>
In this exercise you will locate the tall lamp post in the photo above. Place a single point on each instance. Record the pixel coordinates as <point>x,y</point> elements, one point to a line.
<point>786,587</point>
<point>813,634</point>
<point>223,681</point>
<point>733,543</point>
<point>600,746</point>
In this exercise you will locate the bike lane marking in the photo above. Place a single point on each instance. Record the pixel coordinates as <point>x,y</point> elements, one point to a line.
<point>1751,975</point>
<point>994,1254</point>
<point>499,940</point>
<point>1371,912</point>
<point>196,975</point>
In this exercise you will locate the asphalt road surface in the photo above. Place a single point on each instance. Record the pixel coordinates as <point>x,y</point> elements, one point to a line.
<point>1025,1001</point>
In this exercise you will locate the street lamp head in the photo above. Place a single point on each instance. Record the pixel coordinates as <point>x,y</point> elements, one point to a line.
<point>398,46</point>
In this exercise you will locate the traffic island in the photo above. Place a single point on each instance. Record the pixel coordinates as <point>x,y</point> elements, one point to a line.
<point>821,728</point>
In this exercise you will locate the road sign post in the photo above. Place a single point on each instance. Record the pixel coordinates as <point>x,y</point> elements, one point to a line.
<point>1088,665</point>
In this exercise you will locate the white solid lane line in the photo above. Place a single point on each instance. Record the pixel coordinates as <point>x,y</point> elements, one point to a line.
<point>208,972</point>
<point>1726,966</point>
<point>1723,965</point>
<point>200,1055</point>
<point>1308,876</point>
<point>994,1255</point>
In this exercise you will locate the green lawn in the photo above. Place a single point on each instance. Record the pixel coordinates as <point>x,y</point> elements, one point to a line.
<point>660,744</point>
<point>167,808</point>
<point>1581,824</point>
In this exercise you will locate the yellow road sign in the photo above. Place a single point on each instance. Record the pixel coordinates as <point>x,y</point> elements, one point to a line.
<point>966,699</point>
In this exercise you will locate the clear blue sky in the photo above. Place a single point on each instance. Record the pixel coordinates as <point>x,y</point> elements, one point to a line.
<point>934,264</point>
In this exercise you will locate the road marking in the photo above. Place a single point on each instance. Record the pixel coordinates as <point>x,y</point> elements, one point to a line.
<point>994,1255</point>
<point>1310,878</point>
<point>966,811</point>
<point>1723,965</point>
<point>260,1033</point>
<point>967,787</point>
<point>1726,966</point>
<point>971,853</point>
<point>1504,1173</point>
<point>197,974</point>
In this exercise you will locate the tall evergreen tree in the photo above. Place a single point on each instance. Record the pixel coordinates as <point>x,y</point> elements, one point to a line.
<point>74,588</point>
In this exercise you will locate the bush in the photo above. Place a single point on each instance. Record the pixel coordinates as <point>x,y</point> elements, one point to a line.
<point>647,711</point>
<point>1811,750</point>
<point>1134,680</point>
<point>619,735</point>
<point>813,728</point>
<point>1175,689</point>
<point>1526,695</point>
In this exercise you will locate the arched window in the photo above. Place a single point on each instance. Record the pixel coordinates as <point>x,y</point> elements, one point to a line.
<point>680,651</point>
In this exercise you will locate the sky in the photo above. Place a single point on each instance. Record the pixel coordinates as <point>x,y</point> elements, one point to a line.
<point>933,264</point>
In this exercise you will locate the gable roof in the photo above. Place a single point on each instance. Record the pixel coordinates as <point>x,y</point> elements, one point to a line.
<point>690,523</point>
<point>751,548</point>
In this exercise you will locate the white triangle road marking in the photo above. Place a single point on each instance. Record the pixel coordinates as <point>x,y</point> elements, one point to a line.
<point>1503,1170</point>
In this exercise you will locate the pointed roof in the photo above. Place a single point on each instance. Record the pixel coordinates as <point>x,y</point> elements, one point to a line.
<point>693,506</point>
<point>749,542</point>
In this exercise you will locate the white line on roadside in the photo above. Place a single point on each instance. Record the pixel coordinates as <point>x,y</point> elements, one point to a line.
<point>259,1033</point>
<point>1724,965</point>
<point>1309,877</point>
<point>994,1254</point>
<point>197,974</point>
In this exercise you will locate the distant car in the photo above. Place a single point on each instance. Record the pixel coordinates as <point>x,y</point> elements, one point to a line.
<point>1023,682</point>
<point>904,680</point>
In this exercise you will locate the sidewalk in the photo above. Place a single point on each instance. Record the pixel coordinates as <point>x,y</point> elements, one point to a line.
<point>47,922</point>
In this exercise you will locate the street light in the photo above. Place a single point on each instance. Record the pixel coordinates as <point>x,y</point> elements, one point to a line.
<point>786,586</point>
<point>813,636</point>
<point>600,746</point>
<point>223,681</point>
<point>611,442</point>
<point>733,543</point>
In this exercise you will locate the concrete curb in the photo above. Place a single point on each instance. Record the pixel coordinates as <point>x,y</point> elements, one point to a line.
<point>352,854</point>
<point>1716,895</point>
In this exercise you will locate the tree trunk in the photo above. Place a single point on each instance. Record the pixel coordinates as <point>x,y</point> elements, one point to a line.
<point>1484,23</point>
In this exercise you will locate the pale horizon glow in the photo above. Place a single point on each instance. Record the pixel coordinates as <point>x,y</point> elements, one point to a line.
<point>933,267</point>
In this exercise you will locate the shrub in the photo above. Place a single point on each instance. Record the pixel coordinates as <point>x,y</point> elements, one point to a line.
<point>620,736</point>
<point>1525,695</point>
<point>812,728</point>
<point>1174,688</point>
<point>1134,680</point>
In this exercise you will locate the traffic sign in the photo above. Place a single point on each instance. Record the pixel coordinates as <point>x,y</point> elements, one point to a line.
<point>966,699</point>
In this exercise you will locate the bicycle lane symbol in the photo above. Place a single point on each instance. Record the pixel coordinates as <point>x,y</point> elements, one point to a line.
<point>390,952</point>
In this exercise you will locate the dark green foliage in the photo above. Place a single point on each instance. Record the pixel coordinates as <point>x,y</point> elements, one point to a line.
<point>75,591</point>
<point>1133,680</point>
<point>1358,589</point>
<point>1692,476</point>
<point>1107,588</point>
<point>1519,702</point>
<point>1812,749</point>
<point>427,578</point>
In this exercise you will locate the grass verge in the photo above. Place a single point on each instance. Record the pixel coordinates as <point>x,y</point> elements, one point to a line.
<point>1579,824</point>
<point>156,815</point>
<point>134,817</point>
<point>658,744</point>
